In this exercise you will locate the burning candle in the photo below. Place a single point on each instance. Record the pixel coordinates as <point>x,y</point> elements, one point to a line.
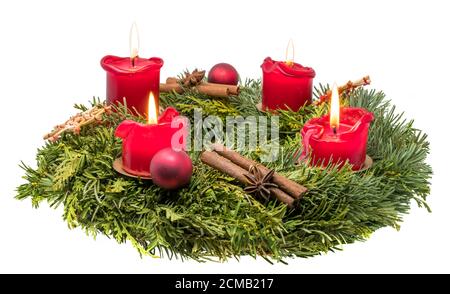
<point>337,137</point>
<point>132,77</point>
<point>140,142</point>
<point>286,84</point>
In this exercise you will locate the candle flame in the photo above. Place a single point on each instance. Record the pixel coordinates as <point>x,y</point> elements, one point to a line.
<point>334,108</point>
<point>134,42</point>
<point>152,117</point>
<point>290,53</point>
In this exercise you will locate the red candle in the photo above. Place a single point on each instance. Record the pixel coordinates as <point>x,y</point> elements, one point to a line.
<point>132,77</point>
<point>338,136</point>
<point>140,142</point>
<point>286,84</point>
<point>134,83</point>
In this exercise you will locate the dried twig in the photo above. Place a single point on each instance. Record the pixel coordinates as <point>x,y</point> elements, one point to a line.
<point>75,123</point>
<point>347,88</point>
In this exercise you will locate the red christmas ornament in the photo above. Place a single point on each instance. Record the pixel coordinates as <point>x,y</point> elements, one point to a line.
<point>223,73</point>
<point>171,169</point>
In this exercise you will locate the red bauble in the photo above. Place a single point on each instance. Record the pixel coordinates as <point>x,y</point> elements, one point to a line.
<point>223,73</point>
<point>171,169</point>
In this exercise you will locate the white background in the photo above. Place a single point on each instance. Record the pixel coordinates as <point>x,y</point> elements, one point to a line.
<point>50,53</point>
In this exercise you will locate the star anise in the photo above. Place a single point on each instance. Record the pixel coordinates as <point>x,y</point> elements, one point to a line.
<point>193,79</point>
<point>259,184</point>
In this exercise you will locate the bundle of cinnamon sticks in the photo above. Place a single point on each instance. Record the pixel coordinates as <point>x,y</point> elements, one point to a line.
<point>211,89</point>
<point>237,166</point>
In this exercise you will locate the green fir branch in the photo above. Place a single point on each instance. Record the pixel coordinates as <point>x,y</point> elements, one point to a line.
<point>212,219</point>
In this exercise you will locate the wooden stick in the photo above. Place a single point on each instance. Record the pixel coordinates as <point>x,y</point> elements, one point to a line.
<point>224,165</point>
<point>294,189</point>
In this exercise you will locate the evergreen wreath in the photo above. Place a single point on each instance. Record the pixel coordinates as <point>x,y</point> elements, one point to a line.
<point>212,218</point>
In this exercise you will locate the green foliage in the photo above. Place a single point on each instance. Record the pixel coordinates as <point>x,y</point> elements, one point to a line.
<point>212,219</point>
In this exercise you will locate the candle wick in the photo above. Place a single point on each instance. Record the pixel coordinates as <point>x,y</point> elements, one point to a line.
<point>334,130</point>
<point>133,61</point>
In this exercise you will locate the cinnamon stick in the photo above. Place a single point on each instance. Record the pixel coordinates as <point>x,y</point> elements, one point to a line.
<point>171,80</point>
<point>202,88</point>
<point>292,188</point>
<point>215,90</point>
<point>224,165</point>
<point>232,89</point>
<point>167,88</point>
